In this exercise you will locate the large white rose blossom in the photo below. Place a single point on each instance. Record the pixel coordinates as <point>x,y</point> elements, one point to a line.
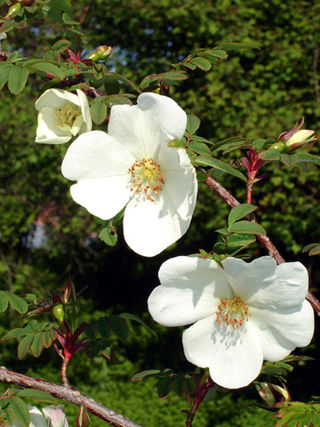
<point>242,314</point>
<point>132,166</point>
<point>62,115</point>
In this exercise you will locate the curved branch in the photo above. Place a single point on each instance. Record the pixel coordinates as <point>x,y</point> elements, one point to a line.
<point>68,394</point>
<point>264,239</point>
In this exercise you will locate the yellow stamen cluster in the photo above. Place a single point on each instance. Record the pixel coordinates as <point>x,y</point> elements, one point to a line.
<point>66,116</point>
<point>146,177</point>
<point>232,311</point>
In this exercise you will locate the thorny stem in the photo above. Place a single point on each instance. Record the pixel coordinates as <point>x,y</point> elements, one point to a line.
<point>264,239</point>
<point>68,394</point>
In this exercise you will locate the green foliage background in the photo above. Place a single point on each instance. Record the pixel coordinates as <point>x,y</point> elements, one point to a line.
<point>255,93</point>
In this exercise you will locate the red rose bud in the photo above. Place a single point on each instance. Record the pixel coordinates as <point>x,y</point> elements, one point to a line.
<point>104,51</point>
<point>83,418</point>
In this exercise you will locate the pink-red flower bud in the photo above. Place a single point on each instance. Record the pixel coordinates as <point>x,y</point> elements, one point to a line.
<point>295,137</point>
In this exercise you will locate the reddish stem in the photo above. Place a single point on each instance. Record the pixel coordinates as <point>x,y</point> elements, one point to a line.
<point>64,367</point>
<point>199,396</point>
<point>68,394</point>
<point>263,238</point>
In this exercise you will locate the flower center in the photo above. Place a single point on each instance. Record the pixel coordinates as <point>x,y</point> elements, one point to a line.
<point>66,116</point>
<point>146,177</point>
<point>232,311</point>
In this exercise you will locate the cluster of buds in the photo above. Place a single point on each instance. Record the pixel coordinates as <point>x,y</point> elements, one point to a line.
<point>101,53</point>
<point>294,138</point>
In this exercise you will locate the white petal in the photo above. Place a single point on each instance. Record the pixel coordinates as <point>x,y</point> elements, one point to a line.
<point>85,110</point>
<point>234,357</point>
<point>152,226</point>
<point>77,124</point>
<point>167,113</point>
<point>55,98</point>
<point>190,290</point>
<point>263,284</point>
<point>181,183</point>
<point>136,131</point>
<point>47,131</point>
<point>95,155</point>
<point>102,197</point>
<point>281,332</point>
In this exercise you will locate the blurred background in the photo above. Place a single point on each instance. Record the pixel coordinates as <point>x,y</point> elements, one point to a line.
<point>46,237</point>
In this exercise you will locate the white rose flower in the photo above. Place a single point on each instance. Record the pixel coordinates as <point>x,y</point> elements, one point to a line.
<point>62,115</point>
<point>133,166</point>
<point>242,314</point>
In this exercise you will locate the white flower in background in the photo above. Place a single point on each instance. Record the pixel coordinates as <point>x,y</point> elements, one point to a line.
<point>52,416</point>
<point>55,416</point>
<point>62,115</point>
<point>242,313</point>
<point>133,166</point>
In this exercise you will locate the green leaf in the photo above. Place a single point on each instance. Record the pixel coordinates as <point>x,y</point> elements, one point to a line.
<point>46,339</point>
<point>61,45</point>
<point>130,316</point>
<point>48,67</point>
<point>109,235</point>
<point>271,155</point>
<point>117,99</point>
<point>67,20</point>
<point>176,143</point>
<point>219,53</point>
<point>119,326</point>
<point>236,46</point>
<point>24,346</point>
<point>14,333</point>
<point>4,73</point>
<point>20,411</point>
<point>17,79</point>
<point>40,396</point>
<point>201,63</point>
<point>18,303</point>
<point>247,227</point>
<point>315,247</point>
<point>36,346</point>
<point>164,387</point>
<point>218,164</point>
<point>98,110</point>
<point>193,124</point>
<point>173,75</point>
<point>239,240</point>
<point>145,374</point>
<point>103,327</point>
<point>4,301</point>
<point>257,144</point>
<point>239,212</point>
<point>199,148</point>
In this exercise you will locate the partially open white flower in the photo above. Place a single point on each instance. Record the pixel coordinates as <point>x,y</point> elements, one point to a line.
<point>62,115</point>
<point>242,313</point>
<point>133,166</point>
